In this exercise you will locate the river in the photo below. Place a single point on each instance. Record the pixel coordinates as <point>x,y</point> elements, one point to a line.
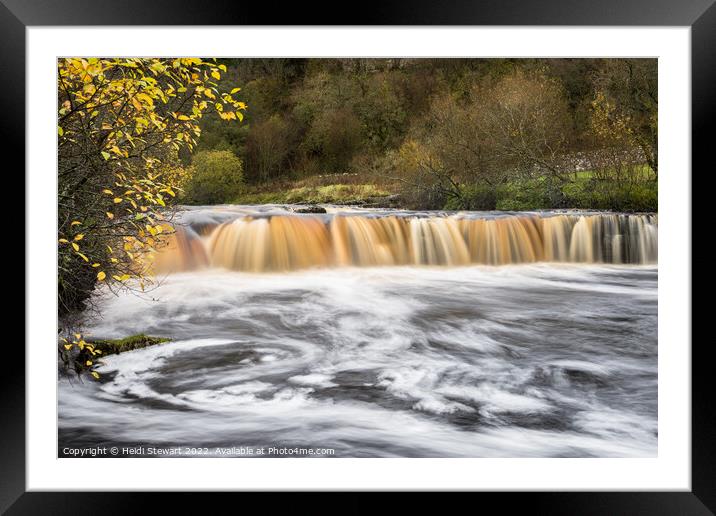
<point>429,347</point>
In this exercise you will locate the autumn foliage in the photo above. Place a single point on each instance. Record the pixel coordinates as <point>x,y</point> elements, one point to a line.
<point>121,125</point>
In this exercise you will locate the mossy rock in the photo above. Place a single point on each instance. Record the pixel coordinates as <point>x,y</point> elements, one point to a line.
<point>310,208</point>
<point>116,346</point>
<point>85,360</point>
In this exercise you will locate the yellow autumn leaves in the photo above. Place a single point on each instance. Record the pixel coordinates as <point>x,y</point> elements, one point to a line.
<point>77,341</point>
<point>606,121</point>
<point>138,112</point>
<point>76,238</point>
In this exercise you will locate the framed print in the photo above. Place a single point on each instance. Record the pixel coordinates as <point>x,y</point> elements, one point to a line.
<point>432,250</point>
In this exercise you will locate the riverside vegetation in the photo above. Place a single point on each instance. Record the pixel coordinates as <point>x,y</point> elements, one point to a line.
<point>121,124</point>
<point>475,134</point>
<point>138,137</point>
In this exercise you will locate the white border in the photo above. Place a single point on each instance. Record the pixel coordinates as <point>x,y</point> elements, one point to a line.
<point>671,470</point>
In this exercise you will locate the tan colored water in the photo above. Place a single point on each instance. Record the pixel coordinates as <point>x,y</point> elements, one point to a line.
<point>293,242</point>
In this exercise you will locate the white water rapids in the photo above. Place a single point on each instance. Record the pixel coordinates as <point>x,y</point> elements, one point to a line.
<point>528,360</point>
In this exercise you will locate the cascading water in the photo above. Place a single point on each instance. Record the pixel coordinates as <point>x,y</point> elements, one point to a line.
<point>292,242</point>
<point>384,334</point>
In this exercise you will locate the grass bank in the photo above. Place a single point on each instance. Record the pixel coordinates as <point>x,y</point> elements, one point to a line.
<point>580,190</point>
<point>328,194</point>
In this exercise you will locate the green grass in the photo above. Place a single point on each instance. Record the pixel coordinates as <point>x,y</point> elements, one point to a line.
<point>584,189</point>
<point>636,172</point>
<point>329,194</point>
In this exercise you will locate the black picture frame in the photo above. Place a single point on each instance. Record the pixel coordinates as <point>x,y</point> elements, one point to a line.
<point>700,15</point>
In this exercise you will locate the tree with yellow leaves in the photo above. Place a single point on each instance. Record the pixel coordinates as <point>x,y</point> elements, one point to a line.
<point>121,125</point>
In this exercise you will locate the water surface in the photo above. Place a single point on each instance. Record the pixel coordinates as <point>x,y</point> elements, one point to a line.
<point>530,360</point>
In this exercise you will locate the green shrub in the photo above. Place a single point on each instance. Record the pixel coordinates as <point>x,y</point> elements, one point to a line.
<point>474,197</point>
<point>216,177</point>
<point>583,192</point>
<point>607,195</point>
<point>522,195</point>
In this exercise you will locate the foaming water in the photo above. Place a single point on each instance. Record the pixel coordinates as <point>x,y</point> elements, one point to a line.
<point>529,360</point>
<point>261,241</point>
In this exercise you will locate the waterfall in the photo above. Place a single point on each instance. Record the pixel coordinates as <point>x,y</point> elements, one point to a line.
<point>292,242</point>
<point>182,250</point>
